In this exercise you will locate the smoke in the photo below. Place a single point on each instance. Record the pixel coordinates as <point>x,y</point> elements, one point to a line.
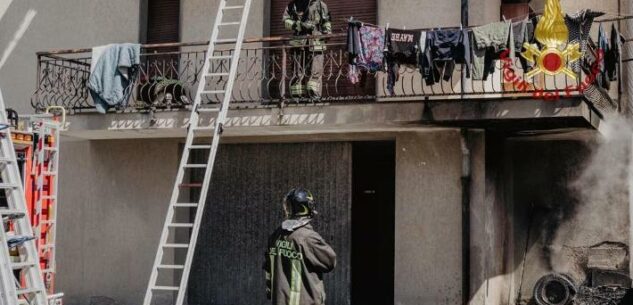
<point>604,178</point>
<point>599,188</point>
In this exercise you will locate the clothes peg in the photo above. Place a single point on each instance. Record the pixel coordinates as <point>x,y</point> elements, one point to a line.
<point>387,25</point>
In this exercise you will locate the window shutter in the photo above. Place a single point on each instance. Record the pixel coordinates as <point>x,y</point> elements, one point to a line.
<point>163,21</point>
<point>364,10</point>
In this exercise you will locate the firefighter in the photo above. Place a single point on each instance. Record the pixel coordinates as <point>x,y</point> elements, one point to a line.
<point>307,17</point>
<point>297,256</point>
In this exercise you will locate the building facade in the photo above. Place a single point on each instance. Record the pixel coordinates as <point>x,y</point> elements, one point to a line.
<point>464,192</point>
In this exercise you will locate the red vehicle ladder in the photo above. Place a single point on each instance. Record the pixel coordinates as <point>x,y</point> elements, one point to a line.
<point>36,142</point>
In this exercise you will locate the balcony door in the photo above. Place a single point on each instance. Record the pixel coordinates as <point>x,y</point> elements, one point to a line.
<point>160,66</point>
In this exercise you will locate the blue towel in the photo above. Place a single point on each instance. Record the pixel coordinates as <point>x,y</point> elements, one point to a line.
<point>111,75</point>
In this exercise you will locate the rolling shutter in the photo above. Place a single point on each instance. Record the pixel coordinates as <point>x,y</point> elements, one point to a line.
<point>163,21</point>
<point>363,10</point>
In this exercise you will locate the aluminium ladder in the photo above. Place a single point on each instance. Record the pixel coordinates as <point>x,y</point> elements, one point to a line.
<point>195,133</point>
<point>21,275</point>
<point>45,167</point>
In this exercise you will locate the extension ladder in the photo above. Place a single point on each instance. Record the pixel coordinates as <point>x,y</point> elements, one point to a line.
<point>45,171</point>
<point>20,275</point>
<point>163,278</point>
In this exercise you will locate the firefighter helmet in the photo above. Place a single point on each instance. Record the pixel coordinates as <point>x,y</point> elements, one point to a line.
<point>299,202</point>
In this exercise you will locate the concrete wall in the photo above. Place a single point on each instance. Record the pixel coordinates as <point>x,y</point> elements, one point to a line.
<point>410,13</point>
<point>28,26</point>
<point>428,219</point>
<point>112,203</point>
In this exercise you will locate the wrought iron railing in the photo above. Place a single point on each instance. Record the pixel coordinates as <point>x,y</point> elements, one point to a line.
<point>168,75</point>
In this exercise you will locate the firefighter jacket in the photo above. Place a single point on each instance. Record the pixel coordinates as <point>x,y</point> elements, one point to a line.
<point>296,259</point>
<point>308,17</point>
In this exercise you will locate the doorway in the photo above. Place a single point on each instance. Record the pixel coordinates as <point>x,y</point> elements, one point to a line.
<point>373,222</point>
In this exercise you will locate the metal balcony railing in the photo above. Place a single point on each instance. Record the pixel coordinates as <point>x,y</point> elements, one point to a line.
<point>168,76</point>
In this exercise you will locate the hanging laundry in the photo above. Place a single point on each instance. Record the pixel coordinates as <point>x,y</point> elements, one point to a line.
<point>402,49</point>
<point>579,25</point>
<point>443,50</point>
<point>489,42</point>
<point>366,45</point>
<point>353,40</point>
<point>112,71</point>
<point>604,47</point>
<point>521,36</point>
<point>612,57</point>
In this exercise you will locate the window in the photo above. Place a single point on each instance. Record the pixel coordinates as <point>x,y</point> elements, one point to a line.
<point>163,21</point>
<point>514,9</point>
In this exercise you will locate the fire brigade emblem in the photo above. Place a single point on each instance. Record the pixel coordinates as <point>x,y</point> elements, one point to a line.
<point>557,52</point>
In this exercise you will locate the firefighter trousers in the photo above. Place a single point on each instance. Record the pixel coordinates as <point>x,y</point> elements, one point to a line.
<point>307,76</point>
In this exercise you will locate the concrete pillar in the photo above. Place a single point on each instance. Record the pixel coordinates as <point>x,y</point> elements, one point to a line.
<point>428,244</point>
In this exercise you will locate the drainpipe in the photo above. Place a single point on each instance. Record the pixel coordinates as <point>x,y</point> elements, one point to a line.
<point>464,13</point>
<point>627,89</point>
<point>466,183</point>
<point>627,67</point>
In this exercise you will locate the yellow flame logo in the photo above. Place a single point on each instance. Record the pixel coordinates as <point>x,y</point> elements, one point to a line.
<point>556,53</point>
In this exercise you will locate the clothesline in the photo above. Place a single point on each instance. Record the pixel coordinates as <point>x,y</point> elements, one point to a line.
<point>618,18</point>
<point>518,18</point>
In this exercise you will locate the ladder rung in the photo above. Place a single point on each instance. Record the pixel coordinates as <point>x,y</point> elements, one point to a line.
<point>227,40</point>
<point>28,290</point>
<point>185,205</point>
<point>48,246</point>
<point>200,147</point>
<point>212,92</point>
<point>9,186</point>
<point>11,212</point>
<point>221,57</point>
<point>233,7</point>
<point>195,166</point>
<point>167,288</point>
<point>48,222</point>
<point>203,128</point>
<point>171,266</point>
<point>190,185</point>
<point>229,23</point>
<point>181,225</point>
<point>22,265</point>
<point>49,173</point>
<point>183,246</point>
<point>208,109</point>
<point>5,160</point>
<point>216,74</point>
<point>49,197</point>
<point>50,148</point>
<point>48,271</point>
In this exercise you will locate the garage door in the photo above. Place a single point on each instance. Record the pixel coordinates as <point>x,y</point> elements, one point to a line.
<point>244,207</point>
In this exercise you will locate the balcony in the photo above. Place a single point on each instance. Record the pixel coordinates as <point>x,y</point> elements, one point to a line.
<point>167,78</point>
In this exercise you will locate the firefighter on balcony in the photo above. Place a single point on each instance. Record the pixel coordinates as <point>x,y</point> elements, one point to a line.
<point>307,17</point>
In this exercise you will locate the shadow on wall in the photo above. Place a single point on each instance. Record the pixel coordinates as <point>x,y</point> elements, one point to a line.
<point>19,32</point>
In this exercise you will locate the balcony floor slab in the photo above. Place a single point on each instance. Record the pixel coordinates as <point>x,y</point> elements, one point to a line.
<point>346,121</point>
